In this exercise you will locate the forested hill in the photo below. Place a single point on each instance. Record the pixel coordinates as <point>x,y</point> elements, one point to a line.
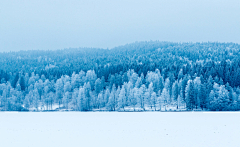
<point>140,56</point>
<point>152,74</point>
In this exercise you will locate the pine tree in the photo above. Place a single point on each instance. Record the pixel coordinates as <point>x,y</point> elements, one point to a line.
<point>160,102</point>
<point>183,87</point>
<point>128,86</point>
<point>223,100</point>
<point>171,79</point>
<point>88,100</point>
<point>113,92</point>
<point>15,80</point>
<point>98,86</point>
<point>180,74</point>
<point>103,82</point>
<point>132,76</point>
<point>66,99</point>
<point>155,79</point>
<point>59,91</point>
<point>51,99</point>
<point>175,91</point>
<point>189,95</point>
<point>147,99</point>
<point>161,83</point>
<point>179,101</point>
<point>26,103</point>
<point>101,101</point>
<point>202,96</point>
<point>220,81</point>
<point>165,96</point>
<point>75,98</point>
<point>230,90</point>
<point>138,82</point>
<point>22,83</point>
<point>150,90</point>
<point>211,99</point>
<point>122,99</point>
<point>134,98</point>
<point>81,101</point>
<point>209,87</point>
<point>91,77</point>
<point>111,103</point>
<point>4,100</point>
<point>117,93</point>
<point>197,84</point>
<point>154,100</point>
<point>142,100</point>
<point>36,99</point>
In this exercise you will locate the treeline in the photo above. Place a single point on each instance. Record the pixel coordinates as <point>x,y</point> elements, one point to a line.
<point>85,92</point>
<point>141,76</point>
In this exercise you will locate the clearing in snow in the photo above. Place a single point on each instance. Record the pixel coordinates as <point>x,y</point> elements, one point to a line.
<point>115,129</point>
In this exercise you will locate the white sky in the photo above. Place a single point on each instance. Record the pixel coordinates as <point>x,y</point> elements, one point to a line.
<point>57,24</point>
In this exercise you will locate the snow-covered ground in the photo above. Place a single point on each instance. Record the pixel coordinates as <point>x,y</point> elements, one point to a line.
<point>115,129</point>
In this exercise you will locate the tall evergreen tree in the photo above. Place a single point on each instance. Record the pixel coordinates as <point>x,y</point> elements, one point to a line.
<point>189,95</point>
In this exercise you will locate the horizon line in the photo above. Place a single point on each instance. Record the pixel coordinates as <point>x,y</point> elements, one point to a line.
<point>179,42</point>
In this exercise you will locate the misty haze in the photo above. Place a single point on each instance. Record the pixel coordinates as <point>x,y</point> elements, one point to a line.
<point>71,71</point>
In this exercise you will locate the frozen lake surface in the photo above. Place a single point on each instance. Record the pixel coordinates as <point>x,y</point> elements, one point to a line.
<point>113,129</point>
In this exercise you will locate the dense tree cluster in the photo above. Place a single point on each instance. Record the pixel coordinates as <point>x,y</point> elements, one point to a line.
<point>143,76</point>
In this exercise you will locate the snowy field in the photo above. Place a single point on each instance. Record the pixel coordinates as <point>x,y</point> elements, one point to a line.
<point>105,129</point>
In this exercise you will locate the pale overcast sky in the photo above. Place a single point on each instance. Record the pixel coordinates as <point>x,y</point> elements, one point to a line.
<point>57,24</point>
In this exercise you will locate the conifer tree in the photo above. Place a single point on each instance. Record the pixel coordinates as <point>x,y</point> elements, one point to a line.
<point>134,98</point>
<point>175,91</point>
<point>74,99</point>
<point>180,74</point>
<point>101,101</point>
<point>165,96</point>
<point>122,99</point>
<point>22,83</point>
<point>59,90</point>
<point>189,95</point>
<point>142,99</point>
<point>211,99</point>
<point>202,96</point>
<point>117,93</point>
<point>36,99</point>
<point>111,103</point>
<point>150,90</point>
<point>81,100</point>
<point>87,88</point>
<point>154,100</point>
<point>183,87</point>
<point>98,86</point>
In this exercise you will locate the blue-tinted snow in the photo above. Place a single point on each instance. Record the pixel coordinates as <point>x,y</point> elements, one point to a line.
<point>76,129</point>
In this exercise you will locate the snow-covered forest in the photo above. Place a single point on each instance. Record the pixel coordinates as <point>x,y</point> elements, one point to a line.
<point>142,76</point>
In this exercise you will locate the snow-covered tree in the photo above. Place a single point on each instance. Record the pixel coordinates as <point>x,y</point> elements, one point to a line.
<point>122,99</point>
<point>164,97</point>
<point>91,78</point>
<point>98,86</point>
<point>154,100</point>
<point>141,97</point>
<point>81,101</point>
<point>59,90</point>
<point>134,98</point>
<point>189,95</point>
<point>175,91</point>
<point>111,105</point>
